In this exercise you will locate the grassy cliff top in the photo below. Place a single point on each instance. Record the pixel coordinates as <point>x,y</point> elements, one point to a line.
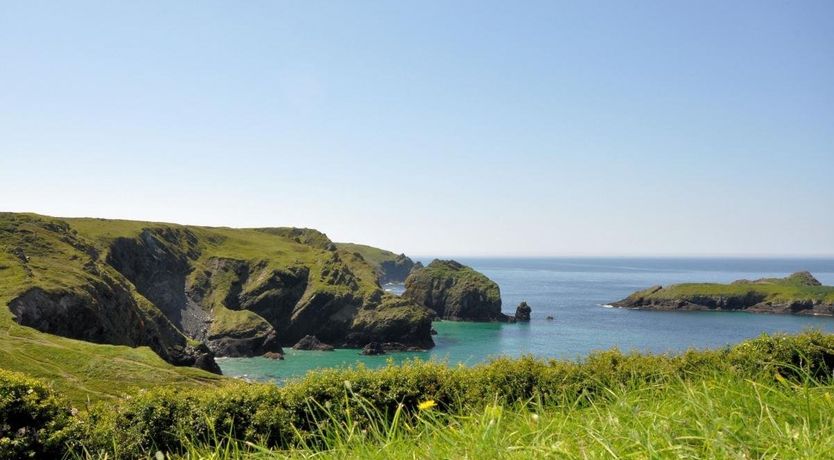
<point>371,254</point>
<point>53,256</point>
<point>68,254</point>
<point>799,286</point>
<point>454,275</point>
<point>453,269</point>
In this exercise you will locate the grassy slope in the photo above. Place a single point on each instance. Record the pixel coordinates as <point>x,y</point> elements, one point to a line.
<point>76,368</point>
<point>81,369</point>
<point>775,290</point>
<point>373,255</point>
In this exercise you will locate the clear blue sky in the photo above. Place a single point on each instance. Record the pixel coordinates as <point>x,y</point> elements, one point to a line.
<point>450,128</point>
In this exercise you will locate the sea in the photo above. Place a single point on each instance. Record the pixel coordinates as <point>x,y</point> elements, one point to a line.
<point>575,293</point>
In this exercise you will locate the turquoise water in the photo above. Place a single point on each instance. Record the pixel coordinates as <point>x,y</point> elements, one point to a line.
<point>574,292</point>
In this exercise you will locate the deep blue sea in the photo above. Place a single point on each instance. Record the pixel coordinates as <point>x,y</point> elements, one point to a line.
<point>574,291</point>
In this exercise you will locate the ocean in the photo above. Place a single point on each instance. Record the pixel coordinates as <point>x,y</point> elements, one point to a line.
<point>575,292</point>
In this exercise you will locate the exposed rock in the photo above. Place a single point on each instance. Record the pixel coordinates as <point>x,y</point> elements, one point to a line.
<point>455,292</point>
<point>310,342</point>
<point>373,348</point>
<point>389,267</point>
<point>549,318</point>
<point>394,319</point>
<point>241,292</point>
<point>397,346</point>
<point>433,331</point>
<point>273,355</point>
<point>522,312</point>
<point>395,271</point>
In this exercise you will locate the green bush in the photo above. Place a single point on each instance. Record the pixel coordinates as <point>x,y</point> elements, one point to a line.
<point>302,412</point>
<point>32,418</point>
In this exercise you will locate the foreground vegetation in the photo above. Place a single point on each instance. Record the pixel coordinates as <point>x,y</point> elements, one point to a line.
<point>766,398</point>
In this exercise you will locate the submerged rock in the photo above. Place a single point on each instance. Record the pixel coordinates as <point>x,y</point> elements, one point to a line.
<point>310,342</point>
<point>373,348</point>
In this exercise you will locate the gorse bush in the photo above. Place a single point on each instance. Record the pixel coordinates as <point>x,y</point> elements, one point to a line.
<point>33,419</point>
<point>306,412</point>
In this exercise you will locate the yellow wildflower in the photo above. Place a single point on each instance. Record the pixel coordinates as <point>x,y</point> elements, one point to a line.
<point>426,405</point>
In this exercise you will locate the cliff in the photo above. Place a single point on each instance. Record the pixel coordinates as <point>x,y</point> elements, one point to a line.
<point>190,293</point>
<point>455,292</point>
<point>799,293</point>
<point>389,267</point>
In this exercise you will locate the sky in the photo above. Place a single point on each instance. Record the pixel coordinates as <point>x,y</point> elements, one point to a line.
<point>470,128</point>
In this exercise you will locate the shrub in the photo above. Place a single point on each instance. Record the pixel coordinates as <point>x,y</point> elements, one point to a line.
<point>32,418</point>
<point>302,412</point>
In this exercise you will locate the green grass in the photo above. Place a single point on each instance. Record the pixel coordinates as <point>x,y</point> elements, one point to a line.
<point>771,397</point>
<point>58,259</point>
<point>798,287</point>
<point>78,369</point>
<point>371,254</point>
<point>714,416</point>
<point>775,292</point>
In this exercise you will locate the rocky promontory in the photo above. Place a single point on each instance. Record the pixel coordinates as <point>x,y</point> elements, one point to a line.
<point>799,293</point>
<point>191,293</point>
<point>455,292</point>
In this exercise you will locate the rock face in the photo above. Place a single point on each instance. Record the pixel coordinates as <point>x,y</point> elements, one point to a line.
<point>397,270</point>
<point>522,312</point>
<point>373,348</point>
<point>81,298</point>
<point>799,293</point>
<point>190,293</point>
<point>455,292</point>
<point>390,267</point>
<point>310,342</point>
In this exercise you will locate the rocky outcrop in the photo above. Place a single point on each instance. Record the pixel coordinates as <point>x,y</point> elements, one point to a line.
<point>799,293</point>
<point>396,270</point>
<point>389,266</point>
<point>522,312</point>
<point>191,293</point>
<point>373,348</point>
<point>310,342</point>
<point>73,295</point>
<point>456,292</point>
<point>392,319</point>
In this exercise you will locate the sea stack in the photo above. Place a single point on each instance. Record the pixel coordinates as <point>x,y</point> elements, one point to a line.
<point>522,312</point>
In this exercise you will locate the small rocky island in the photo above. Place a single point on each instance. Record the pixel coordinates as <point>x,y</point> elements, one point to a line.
<point>455,292</point>
<point>799,293</point>
<point>522,312</point>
